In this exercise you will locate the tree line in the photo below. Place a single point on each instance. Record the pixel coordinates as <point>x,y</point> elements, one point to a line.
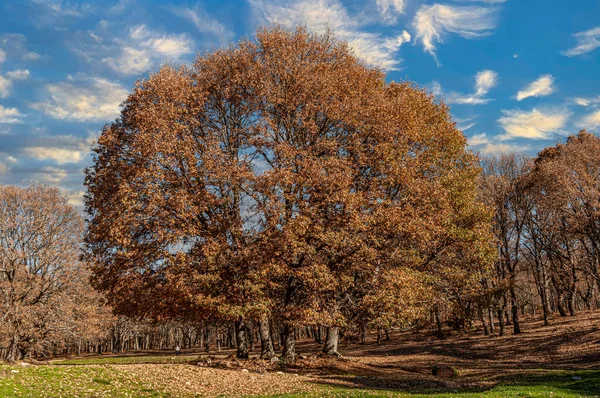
<point>280,189</point>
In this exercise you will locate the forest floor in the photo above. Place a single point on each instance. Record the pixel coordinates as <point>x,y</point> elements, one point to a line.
<point>560,360</point>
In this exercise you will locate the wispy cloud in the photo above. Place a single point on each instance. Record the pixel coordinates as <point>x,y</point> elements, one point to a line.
<point>433,22</point>
<point>390,9</point>
<point>586,101</point>
<point>464,124</point>
<point>53,12</point>
<point>19,74</point>
<point>146,48</point>
<point>5,85</point>
<point>131,52</point>
<point>56,154</point>
<point>50,175</point>
<point>319,15</point>
<point>485,80</point>
<point>587,41</point>
<point>542,86</point>
<point>4,168</point>
<point>490,146</point>
<point>15,46</point>
<point>7,80</point>
<point>82,99</point>
<point>591,121</point>
<point>10,115</point>
<point>534,124</point>
<point>205,23</point>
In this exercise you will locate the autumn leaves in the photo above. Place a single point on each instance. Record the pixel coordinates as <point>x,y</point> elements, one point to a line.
<point>281,181</point>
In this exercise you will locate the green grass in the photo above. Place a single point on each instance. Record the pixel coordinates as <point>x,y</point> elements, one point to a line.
<point>70,381</point>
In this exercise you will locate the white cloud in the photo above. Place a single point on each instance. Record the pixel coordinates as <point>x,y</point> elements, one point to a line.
<point>19,74</point>
<point>50,175</point>
<point>434,22</point>
<point>76,198</point>
<point>64,8</point>
<point>130,61</point>
<point>145,48</point>
<point>90,99</point>
<point>485,80</point>
<point>321,15</point>
<point>489,145</point>
<point>58,155</point>
<point>390,9</point>
<point>6,82</point>
<point>30,56</point>
<point>4,168</point>
<point>538,88</point>
<point>15,45</point>
<point>478,140</point>
<point>5,85</point>
<point>464,124</point>
<point>591,121</point>
<point>586,101</point>
<point>497,148</point>
<point>204,23</point>
<point>587,41</point>
<point>535,124</point>
<point>121,6</point>
<point>9,115</point>
<point>11,159</point>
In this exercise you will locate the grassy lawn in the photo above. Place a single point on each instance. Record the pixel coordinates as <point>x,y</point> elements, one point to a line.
<point>70,381</point>
<point>103,377</point>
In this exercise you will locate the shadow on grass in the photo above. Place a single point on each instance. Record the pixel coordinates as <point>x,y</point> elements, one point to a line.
<point>541,383</point>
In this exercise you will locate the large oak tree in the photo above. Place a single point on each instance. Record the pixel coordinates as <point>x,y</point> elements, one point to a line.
<point>281,178</point>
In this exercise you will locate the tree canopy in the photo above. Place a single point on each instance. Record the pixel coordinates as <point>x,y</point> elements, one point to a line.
<point>283,178</point>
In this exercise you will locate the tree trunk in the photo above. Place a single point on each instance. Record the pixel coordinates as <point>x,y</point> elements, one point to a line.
<point>331,341</point>
<point>486,330</point>
<point>13,353</point>
<point>289,344</point>
<point>241,339</point>
<point>266,345</point>
<point>490,313</point>
<point>515,311</point>
<point>501,327</point>
<point>438,320</point>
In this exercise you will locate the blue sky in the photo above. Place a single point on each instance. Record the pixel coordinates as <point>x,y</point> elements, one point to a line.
<point>518,74</point>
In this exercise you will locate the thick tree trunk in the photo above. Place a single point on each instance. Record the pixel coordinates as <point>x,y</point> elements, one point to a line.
<point>289,344</point>
<point>241,339</point>
<point>266,345</point>
<point>13,353</point>
<point>331,341</point>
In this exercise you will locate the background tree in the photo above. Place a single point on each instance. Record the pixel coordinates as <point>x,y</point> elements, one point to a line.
<point>504,189</point>
<point>44,287</point>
